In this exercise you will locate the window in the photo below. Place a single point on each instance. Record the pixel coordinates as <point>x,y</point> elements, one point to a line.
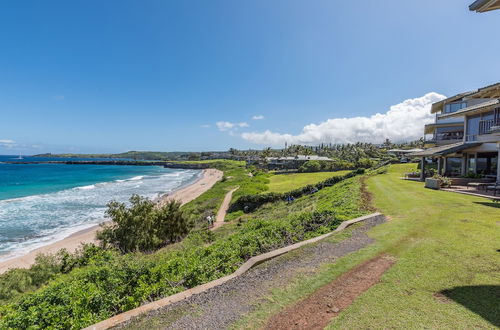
<point>449,133</point>
<point>454,107</point>
<point>473,127</point>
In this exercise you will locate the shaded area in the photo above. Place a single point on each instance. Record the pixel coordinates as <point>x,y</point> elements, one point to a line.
<point>491,204</point>
<point>483,300</point>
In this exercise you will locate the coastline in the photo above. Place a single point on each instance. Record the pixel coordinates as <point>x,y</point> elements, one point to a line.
<point>185,194</point>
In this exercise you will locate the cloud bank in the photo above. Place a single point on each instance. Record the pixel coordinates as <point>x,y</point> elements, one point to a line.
<point>402,122</point>
<point>228,126</point>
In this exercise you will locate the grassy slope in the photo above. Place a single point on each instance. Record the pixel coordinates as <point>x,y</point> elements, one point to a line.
<point>287,182</point>
<point>344,198</point>
<point>139,273</point>
<point>441,241</point>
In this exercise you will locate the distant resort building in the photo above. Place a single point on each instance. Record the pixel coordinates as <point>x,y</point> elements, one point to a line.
<point>402,154</point>
<point>289,162</point>
<point>466,134</point>
<point>482,6</point>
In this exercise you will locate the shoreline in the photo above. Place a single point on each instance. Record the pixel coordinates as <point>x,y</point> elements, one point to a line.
<point>72,242</point>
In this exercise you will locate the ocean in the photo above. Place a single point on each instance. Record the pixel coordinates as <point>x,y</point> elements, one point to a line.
<point>42,203</point>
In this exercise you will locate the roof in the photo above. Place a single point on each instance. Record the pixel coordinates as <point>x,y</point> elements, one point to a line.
<point>445,150</point>
<point>490,91</point>
<point>429,128</point>
<point>482,6</point>
<point>438,106</point>
<point>405,150</point>
<point>300,157</point>
<point>477,108</point>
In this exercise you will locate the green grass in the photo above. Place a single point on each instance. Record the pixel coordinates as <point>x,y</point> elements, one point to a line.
<point>447,274</point>
<point>235,175</point>
<point>113,283</point>
<point>281,183</point>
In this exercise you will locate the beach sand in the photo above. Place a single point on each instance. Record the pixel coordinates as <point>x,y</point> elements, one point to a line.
<point>72,242</point>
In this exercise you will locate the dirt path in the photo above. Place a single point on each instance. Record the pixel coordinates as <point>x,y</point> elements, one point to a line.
<point>219,220</point>
<point>317,310</point>
<point>222,306</point>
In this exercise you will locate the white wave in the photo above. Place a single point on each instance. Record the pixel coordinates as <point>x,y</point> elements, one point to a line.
<point>92,186</point>
<point>27,223</point>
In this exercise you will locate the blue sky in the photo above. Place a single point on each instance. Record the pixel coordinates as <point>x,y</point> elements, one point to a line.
<point>111,76</point>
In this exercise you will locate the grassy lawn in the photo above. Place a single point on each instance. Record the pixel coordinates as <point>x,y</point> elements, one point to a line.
<point>285,182</point>
<point>447,274</point>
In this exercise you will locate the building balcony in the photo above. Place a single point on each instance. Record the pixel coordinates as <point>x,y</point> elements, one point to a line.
<point>446,138</point>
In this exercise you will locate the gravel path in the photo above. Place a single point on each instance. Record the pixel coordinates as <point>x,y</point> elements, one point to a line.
<point>221,306</point>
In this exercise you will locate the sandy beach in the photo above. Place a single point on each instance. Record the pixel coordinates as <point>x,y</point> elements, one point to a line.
<point>72,242</point>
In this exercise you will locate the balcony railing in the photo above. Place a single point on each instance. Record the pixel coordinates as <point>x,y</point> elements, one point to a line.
<point>471,137</point>
<point>486,125</point>
<point>455,136</point>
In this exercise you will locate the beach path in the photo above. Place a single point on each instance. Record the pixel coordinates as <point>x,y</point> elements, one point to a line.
<point>221,214</point>
<point>71,243</point>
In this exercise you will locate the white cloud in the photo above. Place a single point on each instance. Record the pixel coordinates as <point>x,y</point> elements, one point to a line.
<point>206,126</point>
<point>228,126</point>
<point>7,141</point>
<point>59,97</point>
<point>258,117</point>
<point>402,122</point>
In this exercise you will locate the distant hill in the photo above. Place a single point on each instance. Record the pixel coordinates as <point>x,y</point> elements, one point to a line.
<point>147,155</point>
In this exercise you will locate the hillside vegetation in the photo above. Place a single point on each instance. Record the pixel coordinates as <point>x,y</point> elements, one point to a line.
<point>286,182</point>
<point>447,270</point>
<point>99,283</point>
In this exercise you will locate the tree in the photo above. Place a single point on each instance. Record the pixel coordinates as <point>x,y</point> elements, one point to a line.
<point>310,166</point>
<point>143,226</point>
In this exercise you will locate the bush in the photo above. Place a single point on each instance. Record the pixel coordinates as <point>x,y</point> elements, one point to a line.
<point>108,287</point>
<point>249,203</point>
<point>15,282</point>
<point>444,182</point>
<point>310,166</point>
<point>144,226</point>
<point>365,163</point>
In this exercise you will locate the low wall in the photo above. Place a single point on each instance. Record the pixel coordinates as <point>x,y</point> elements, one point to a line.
<point>465,181</point>
<point>126,316</point>
<point>188,166</point>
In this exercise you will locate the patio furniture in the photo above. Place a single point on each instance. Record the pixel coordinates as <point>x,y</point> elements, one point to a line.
<point>495,188</point>
<point>479,185</point>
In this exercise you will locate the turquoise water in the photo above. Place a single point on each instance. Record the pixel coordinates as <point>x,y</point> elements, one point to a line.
<point>41,203</point>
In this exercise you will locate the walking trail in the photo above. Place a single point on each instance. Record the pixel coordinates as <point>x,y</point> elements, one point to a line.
<point>219,220</point>
<point>222,306</point>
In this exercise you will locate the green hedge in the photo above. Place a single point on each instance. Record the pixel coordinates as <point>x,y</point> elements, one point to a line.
<point>107,286</point>
<point>249,203</point>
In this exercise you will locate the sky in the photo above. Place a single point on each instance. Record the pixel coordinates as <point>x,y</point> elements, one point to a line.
<point>117,75</point>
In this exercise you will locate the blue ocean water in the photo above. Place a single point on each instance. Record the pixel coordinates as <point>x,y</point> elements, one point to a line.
<point>41,203</point>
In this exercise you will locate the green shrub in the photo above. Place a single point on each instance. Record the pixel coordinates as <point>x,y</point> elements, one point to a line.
<point>310,166</point>
<point>444,182</point>
<point>100,283</point>
<point>15,282</point>
<point>105,288</point>
<point>249,203</point>
<point>144,226</point>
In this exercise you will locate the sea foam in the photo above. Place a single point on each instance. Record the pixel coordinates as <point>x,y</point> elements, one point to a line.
<point>27,223</point>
